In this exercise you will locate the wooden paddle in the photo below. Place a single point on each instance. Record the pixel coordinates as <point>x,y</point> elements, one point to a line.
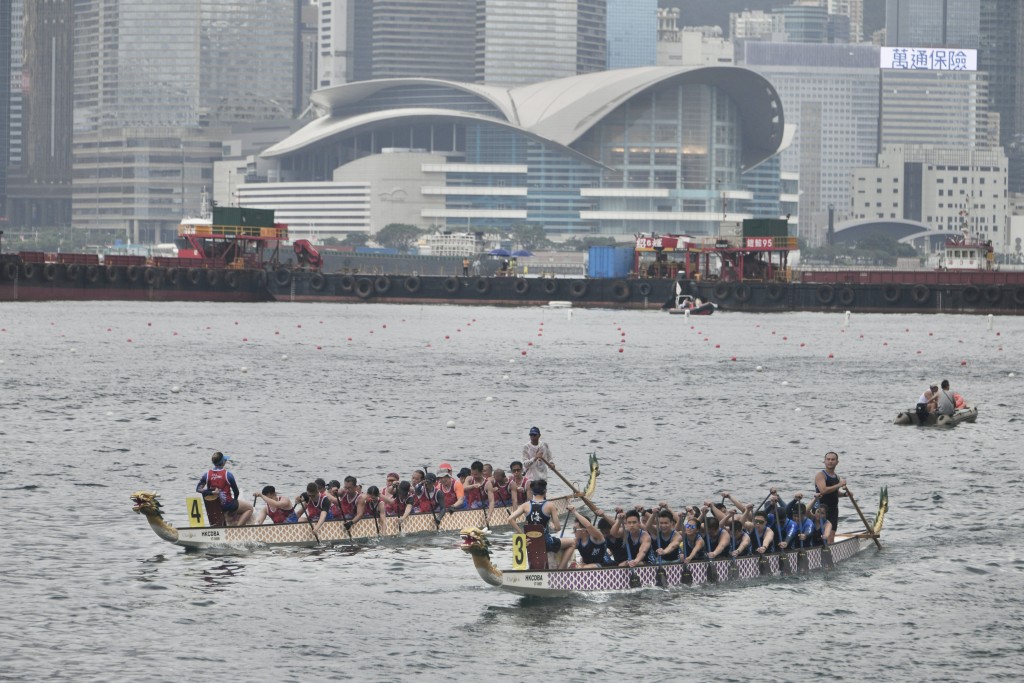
<point>707,552</point>
<point>312,528</point>
<point>576,492</point>
<point>801,556</point>
<point>871,532</point>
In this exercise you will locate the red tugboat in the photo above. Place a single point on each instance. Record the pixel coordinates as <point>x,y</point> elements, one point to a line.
<point>220,258</point>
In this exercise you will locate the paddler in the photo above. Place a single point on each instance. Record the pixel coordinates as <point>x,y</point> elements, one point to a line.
<point>589,541</point>
<point>451,488</point>
<point>317,506</point>
<point>278,507</point>
<point>542,512</point>
<point>218,480</point>
<point>473,486</point>
<point>635,541</point>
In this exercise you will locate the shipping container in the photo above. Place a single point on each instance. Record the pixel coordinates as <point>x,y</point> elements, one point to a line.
<point>609,262</point>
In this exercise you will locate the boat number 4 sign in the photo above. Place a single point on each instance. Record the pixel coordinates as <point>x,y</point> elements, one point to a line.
<point>519,552</point>
<point>195,511</point>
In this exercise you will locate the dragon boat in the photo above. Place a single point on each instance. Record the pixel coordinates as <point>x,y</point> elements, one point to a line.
<point>909,417</point>
<point>558,583</point>
<point>333,532</point>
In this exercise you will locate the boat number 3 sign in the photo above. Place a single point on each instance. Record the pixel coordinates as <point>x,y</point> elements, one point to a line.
<point>195,511</point>
<point>519,552</point>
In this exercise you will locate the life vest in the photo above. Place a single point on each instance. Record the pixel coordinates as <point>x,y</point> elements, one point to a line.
<point>218,480</point>
<point>313,510</point>
<point>958,401</point>
<point>347,506</point>
<point>473,497</point>
<point>278,515</point>
<point>450,496</point>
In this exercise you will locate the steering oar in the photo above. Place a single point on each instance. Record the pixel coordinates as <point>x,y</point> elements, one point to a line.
<point>871,532</point>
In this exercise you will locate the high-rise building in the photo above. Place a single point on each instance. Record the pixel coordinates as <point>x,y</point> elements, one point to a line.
<point>830,93</point>
<point>1001,56</point>
<point>39,186</point>
<point>940,108</point>
<point>933,23</point>
<point>854,9</point>
<point>528,41</point>
<point>632,33</point>
<point>805,23</point>
<point>367,39</point>
<point>5,103</point>
<point>153,84</point>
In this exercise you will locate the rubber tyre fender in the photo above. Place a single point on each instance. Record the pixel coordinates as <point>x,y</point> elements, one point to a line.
<point>621,290</point>
<point>132,273</point>
<point>921,293</point>
<point>347,283</point>
<point>152,277</point>
<point>92,273</point>
<point>644,289</point>
<point>826,294</point>
<point>49,272</point>
<point>10,271</point>
<point>890,293</point>
<point>29,270</point>
<point>550,286</point>
<point>742,292</point>
<point>846,296</point>
<point>213,277</point>
<point>774,291</point>
<point>721,291</point>
<point>382,284</point>
<point>413,284</point>
<point>482,285</point>
<point>521,286</point>
<point>1018,296</point>
<point>231,279</point>
<point>283,277</point>
<point>173,275</point>
<point>578,290</point>
<point>971,294</point>
<point>72,272</point>
<point>451,285</point>
<point>993,293</point>
<point>317,282</point>
<point>364,288</point>
<point>110,273</point>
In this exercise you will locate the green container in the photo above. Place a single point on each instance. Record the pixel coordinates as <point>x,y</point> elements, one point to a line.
<point>765,227</point>
<point>233,215</point>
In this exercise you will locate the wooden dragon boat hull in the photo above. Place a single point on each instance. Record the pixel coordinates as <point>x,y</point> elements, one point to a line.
<point>333,532</point>
<point>559,583</point>
<point>909,417</point>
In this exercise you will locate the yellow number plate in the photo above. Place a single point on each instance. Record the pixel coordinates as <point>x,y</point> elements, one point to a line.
<point>195,511</point>
<point>519,552</point>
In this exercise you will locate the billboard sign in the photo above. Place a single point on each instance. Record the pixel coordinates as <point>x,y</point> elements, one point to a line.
<point>929,59</point>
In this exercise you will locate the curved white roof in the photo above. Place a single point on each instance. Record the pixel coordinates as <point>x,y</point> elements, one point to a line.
<point>562,110</point>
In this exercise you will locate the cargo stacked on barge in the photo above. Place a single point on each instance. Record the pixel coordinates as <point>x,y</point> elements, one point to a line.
<point>220,258</point>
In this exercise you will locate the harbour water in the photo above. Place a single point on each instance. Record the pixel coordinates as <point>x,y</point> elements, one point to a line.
<point>293,392</point>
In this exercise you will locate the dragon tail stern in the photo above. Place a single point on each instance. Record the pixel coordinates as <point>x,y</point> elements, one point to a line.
<point>595,470</point>
<point>883,507</point>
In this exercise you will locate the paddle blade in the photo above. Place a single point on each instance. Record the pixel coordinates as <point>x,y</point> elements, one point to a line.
<point>802,563</point>
<point>762,566</point>
<point>826,557</point>
<point>687,576</point>
<point>634,579</point>
<point>661,578</point>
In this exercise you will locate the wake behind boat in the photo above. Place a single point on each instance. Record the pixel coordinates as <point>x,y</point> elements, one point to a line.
<point>557,583</point>
<point>331,532</point>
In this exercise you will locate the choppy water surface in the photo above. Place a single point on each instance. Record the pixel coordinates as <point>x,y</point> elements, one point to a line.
<point>88,416</point>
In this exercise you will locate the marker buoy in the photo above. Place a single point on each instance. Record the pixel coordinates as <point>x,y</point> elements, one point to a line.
<point>349,339</point>
<point>450,424</point>
<point>284,356</point>
<point>447,337</point>
<point>148,324</point>
<point>524,353</point>
<point>299,325</point>
<point>244,369</point>
<point>504,376</point>
<point>785,339</point>
<point>1012,374</point>
<point>990,319</point>
<point>489,399</point>
<point>733,358</point>
<point>175,389</point>
<point>277,331</point>
<point>620,351</point>
<point>236,322</point>
<point>759,368</point>
<point>797,409</point>
<point>785,383</point>
<point>718,346</point>
<point>319,348</point>
<point>802,344</point>
<point>174,334</point>
<point>74,350</point>
<point>384,326</point>
<point>129,341</point>
<point>831,356</point>
<point>529,343</point>
<point>963,362</point>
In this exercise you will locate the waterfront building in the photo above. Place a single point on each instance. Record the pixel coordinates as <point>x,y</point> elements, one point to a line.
<point>932,23</point>
<point>946,189</point>
<point>805,22</point>
<point>632,33</point>
<point>854,11</point>
<point>830,94</point>
<point>936,107</point>
<point>5,103</point>
<point>156,87</point>
<point>611,153</point>
<point>691,45</point>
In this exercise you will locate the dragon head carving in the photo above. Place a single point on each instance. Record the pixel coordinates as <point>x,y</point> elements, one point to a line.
<point>147,503</point>
<point>474,542</point>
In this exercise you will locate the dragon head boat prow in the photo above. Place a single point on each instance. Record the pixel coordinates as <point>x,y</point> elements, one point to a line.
<point>474,542</point>
<point>148,503</point>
